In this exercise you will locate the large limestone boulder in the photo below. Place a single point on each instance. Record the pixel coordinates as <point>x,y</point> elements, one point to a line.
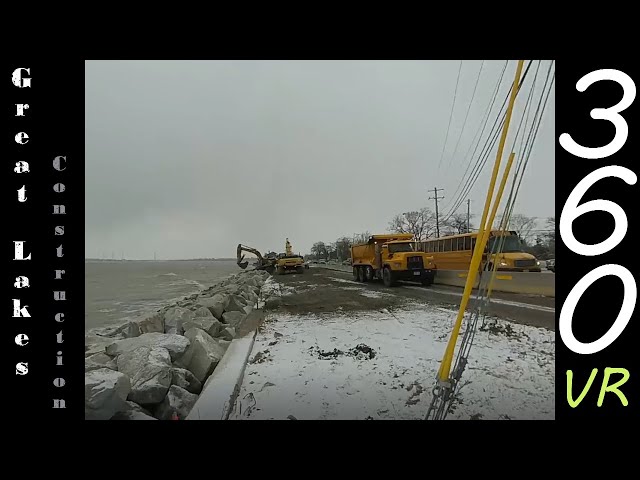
<point>149,369</point>
<point>227,333</point>
<point>99,360</point>
<point>127,329</point>
<point>232,319</point>
<point>178,401</point>
<point>174,319</point>
<point>236,304</point>
<point>183,378</point>
<point>151,324</point>
<point>202,356</point>
<point>105,393</point>
<point>94,344</point>
<point>175,344</point>
<point>203,312</point>
<point>133,406</point>
<point>231,289</point>
<point>215,304</point>
<point>210,324</point>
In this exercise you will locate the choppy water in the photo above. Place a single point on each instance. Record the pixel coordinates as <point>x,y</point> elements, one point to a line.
<point>115,290</point>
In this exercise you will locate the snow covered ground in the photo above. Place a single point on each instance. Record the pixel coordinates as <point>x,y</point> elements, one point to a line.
<point>382,365</point>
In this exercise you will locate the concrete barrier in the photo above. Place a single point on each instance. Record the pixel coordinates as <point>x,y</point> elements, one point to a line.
<point>528,283</point>
<point>219,393</point>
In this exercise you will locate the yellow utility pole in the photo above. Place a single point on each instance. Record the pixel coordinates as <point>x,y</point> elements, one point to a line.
<point>483,233</point>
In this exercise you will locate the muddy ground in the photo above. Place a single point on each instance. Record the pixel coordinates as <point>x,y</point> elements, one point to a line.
<point>320,290</point>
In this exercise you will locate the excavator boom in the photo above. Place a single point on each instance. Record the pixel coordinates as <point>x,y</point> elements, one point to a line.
<point>263,263</point>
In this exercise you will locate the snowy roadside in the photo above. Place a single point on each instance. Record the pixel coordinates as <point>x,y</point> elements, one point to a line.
<point>382,365</point>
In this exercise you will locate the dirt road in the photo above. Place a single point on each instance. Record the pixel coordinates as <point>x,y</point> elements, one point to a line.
<point>320,290</point>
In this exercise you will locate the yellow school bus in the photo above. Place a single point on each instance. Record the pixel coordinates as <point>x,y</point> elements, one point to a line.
<point>454,252</point>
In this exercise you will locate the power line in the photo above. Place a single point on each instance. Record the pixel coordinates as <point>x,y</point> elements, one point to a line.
<point>483,124</point>
<point>486,150</point>
<point>473,95</point>
<point>455,93</point>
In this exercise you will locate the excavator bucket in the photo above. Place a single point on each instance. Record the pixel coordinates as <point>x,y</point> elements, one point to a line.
<point>242,264</point>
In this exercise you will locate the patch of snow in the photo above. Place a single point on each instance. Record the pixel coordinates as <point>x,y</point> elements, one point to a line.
<point>374,294</point>
<point>342,280</point>
<point>305,366</point>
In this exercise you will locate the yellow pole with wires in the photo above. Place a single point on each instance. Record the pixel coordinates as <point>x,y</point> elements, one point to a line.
<point>445,366</point>
<point>494,211</point>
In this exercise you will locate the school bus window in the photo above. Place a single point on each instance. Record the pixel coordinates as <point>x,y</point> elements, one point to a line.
<point>467,243</point>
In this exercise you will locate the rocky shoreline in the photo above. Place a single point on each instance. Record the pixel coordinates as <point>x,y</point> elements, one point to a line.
<point>154,367</point>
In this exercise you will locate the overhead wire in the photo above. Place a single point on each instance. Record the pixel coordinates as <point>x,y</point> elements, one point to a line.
<point>484,154</point>
<point>453,106</point>
<point>464,123</point>
<point>483,124</point>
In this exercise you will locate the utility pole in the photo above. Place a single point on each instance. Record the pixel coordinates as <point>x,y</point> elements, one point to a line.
<point>436,198</point>
<point>468,217</point>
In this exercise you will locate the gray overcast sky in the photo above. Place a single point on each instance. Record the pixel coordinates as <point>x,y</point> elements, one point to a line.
<point>190,158</point>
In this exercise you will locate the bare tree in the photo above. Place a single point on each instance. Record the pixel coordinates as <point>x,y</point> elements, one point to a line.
<point>361,237</point>
<point>522,224</point>
<point>421,223</point>
<point>456,224</point>
<point>551,235</point>
<point>319,249</point>
<point>343,247</point>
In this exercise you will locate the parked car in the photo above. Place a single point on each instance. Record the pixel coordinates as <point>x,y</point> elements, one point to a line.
<point>551,265</point>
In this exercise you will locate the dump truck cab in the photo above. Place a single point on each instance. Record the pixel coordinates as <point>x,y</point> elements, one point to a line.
<point>390,258</point>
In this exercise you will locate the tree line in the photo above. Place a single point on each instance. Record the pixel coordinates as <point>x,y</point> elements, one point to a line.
<point>537,235</point>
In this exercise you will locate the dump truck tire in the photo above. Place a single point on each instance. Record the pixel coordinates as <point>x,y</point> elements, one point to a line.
<point>369,275</point>
<point>387,277</point>
<point>355,274</point>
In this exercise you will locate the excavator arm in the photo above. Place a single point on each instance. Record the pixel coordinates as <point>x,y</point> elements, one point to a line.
<point>243,264</point>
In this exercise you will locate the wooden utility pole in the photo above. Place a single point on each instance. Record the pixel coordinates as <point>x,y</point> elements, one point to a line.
<point>436,198</point>
<point>468,217</point>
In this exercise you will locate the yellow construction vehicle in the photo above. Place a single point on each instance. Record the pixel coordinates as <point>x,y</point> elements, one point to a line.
<point>267,262</point>
<point>391,257</point>
<point>280,263</point>
<point>289,261</point>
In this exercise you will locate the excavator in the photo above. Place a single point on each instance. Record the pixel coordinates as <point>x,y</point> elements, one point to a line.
<point>280,263</point>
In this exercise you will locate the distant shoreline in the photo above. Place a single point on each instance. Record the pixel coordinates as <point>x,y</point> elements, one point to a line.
<point>168,260</point>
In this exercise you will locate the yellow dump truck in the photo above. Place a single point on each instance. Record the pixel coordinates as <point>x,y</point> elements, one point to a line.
<point>391,257</point>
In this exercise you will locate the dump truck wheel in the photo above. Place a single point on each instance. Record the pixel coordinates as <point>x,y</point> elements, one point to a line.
<point>360,274</point>
<point>363,273</point>
<point>426,282</point>
<point>355,274</point>
<point>386,277</point>
<point>280,270</point>
<point>369,274</point>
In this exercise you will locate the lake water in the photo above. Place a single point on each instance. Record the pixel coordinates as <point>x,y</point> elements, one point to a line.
<point>118,289</point>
